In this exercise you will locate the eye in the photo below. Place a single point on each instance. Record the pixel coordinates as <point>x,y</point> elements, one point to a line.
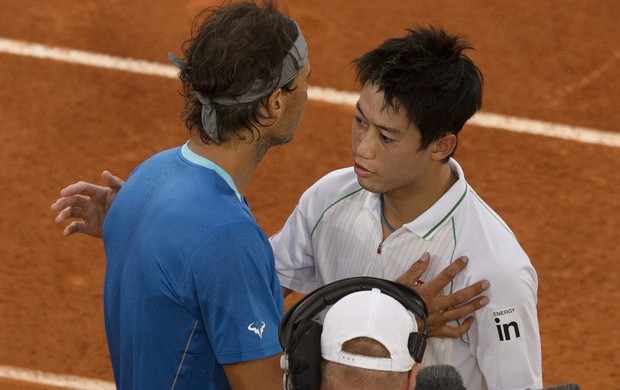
<point>359,121</point>
<point>385,139</point>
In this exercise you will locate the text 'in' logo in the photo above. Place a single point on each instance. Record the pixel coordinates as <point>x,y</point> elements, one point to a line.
<point>507,324</point>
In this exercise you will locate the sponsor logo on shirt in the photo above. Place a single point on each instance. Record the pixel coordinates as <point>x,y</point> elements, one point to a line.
<point>507,324</point>
<point>258,330</point>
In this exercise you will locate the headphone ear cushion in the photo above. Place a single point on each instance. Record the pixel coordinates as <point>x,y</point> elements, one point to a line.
<point>417,346</point>
<point>304,355</point>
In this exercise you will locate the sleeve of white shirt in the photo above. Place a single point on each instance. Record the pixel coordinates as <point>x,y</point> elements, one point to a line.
<point>292,248</point>
<point>292,245</point>
<point>508,348</point>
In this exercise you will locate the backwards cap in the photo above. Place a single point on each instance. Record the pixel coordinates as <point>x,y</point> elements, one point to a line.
<point>373,315</point>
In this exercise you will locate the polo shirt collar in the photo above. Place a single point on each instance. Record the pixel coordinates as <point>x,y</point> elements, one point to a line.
<point>427,224</point>
<point>204,162</point>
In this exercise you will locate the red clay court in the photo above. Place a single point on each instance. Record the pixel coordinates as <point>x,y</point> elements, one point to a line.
<point>555,63</point>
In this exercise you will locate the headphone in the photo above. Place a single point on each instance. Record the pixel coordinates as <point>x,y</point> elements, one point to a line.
<point>300,334</point>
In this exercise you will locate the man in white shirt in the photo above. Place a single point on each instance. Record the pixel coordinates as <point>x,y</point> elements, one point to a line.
<point>405,195</point>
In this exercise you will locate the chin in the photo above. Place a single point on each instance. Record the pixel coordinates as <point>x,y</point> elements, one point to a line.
<point>368,186</point>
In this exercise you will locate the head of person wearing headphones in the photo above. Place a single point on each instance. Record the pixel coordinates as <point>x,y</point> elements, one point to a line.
<point>364,344</point>
<point>368,339</point>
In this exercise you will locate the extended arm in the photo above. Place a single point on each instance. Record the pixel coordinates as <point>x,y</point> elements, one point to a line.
<point>445,308</point>
<point>263,373</point>
<point>88,202</point>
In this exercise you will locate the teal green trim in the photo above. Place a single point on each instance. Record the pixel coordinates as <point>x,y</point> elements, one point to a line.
<point>493,214</point>
<point>205,162</point>
<point>458,321</point>
<point>453,250</point>
<point>447,215</point>
<point>385,221</point>
<point>329,207</point>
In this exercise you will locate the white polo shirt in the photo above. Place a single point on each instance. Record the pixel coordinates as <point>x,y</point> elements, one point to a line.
<point>335,232</point>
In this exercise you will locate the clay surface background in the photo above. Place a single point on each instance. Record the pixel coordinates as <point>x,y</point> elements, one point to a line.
<point>556,61</point>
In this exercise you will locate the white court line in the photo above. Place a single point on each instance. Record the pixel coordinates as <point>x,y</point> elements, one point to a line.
<point>327,95</point>
<point>37,50</point>
<point>62,381</point>
<point>496,121</point>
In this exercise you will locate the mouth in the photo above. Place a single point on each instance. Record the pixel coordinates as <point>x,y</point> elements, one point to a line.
<point>360,170</point>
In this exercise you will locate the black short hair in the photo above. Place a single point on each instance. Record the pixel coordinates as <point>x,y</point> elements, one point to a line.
<point>425,73</point>
<point>231,47</point>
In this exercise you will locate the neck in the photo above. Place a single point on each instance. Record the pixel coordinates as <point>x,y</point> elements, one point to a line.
<point>238,159</point>
<point>403,205</point>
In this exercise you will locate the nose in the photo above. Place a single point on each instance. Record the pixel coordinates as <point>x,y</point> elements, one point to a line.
<point>363,145</point>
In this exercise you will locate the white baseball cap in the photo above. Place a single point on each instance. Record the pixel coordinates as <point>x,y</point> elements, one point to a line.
<point>376,316</point>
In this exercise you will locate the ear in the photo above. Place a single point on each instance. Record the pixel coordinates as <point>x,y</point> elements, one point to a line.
<point>275,104</point>
<point>412,375</point>
<point>444,146</point>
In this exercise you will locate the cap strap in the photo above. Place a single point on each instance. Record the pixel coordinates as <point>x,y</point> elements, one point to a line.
<point>368,362</point>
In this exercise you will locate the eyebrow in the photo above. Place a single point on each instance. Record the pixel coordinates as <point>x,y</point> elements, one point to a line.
<point>386,128</point>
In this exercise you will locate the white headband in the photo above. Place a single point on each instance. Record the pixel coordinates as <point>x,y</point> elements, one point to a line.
<point>294,61</point>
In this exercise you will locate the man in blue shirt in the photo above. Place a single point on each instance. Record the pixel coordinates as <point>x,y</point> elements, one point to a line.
<point>191,296</point>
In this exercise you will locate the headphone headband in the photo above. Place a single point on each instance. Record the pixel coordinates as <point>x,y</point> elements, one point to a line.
<point>299,334</point>
<point>316,301</point>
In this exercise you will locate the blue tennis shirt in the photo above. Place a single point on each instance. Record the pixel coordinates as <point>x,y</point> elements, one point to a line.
<point>190,281</point>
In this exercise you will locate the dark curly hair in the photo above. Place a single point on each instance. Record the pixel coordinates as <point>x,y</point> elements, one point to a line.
<point>231,47</point>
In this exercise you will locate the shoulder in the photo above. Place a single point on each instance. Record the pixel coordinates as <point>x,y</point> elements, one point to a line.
<point>479,223</point>
<point>485,213</point>
<point>157,163</point>
<point>331,187</point>
<point>228,247</point>
<point>235,231</point>
<point>492,247</point>
<point>163,156</point>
